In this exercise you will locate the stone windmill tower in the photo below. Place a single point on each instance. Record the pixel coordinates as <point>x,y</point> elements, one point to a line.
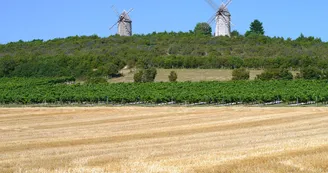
<point>124,23</point>
<point>222,18</point>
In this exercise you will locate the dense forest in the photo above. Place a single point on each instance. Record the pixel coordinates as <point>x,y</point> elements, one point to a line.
<point>81,56</point>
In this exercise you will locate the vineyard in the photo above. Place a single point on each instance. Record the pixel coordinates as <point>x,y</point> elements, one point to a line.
<point>66,91</point>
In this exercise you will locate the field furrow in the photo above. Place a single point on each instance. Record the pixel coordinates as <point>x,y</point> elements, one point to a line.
<point>164,139</point>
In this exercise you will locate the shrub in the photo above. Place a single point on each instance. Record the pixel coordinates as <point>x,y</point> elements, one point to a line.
<point>149,75</point>
<point>240,74</point>
<point>96,80</point>
<point>275,74</point>
<point>311,73</point>
<point>145,75</point>
<point>173,76</point>
<point>203,29</point>
<point>138,76</point>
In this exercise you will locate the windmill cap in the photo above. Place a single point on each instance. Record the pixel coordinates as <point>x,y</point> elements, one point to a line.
<point>224,9</point>
<point>126,16</point>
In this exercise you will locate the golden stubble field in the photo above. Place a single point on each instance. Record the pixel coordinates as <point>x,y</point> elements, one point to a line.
<point>164,139</point>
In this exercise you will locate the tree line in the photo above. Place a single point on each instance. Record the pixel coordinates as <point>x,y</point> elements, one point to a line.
<point>92,56</point>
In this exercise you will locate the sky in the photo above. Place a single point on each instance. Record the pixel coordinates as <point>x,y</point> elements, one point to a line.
<point>48,19</point>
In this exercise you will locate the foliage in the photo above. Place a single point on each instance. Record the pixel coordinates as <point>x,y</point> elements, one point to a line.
<point>82,56</point>
<point>173,76</point>
<point>96,80</point>
<point>111,70</point>
<point>275,74</point>
<point>203,29</point>
<point>41,90</point>
<point>256,27</point>
<point>311,73</point>
<point>235,33</point>
<point>149,75</point>
<point>145,75</point>
<point>240,74</point>
<point>138,76</point>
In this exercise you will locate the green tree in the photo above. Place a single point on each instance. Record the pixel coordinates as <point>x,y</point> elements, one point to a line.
<point>145,75</point>
<point>235,62</point>
<point>256,27</point>
<point>240,74</point>
<point>149,75</point>
<point>138,76</point>
<point>203,29</point>
<point>111,70</point>
<point>142,64</point>
<point>235,33</point>
<point>7,65</point>
<point>173,76</point>
<point>311,73</point>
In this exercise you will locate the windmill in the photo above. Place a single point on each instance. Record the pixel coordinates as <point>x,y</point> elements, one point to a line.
<point>222,18</point>
<point>124,23</point>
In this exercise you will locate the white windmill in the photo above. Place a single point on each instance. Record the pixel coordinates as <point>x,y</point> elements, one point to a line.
<point>124,23</point>
<point>222,18</point>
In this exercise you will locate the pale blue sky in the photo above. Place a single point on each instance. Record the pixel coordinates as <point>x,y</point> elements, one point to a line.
<point>48,19</point>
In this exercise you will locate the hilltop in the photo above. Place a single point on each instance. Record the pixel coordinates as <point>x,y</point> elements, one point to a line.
<point>82,56</point>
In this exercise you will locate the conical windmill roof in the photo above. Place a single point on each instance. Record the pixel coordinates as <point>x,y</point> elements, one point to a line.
<point>223,9</point>
<point>126,16</point>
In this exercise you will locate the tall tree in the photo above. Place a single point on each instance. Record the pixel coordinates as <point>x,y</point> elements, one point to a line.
<point>256,27</point>
<point>203,29</point>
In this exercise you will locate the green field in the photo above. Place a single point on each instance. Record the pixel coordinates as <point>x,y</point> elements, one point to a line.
<point>64,90</point>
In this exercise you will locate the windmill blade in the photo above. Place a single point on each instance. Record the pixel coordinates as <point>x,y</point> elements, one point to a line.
<point>226,5</point>
<point>212,4</point>
<point>126,28</point>
<point>114,25</point>
<point>130,11</point>
<point>226,20</point>
<point>122,17</point>
<point>210,21</point>
<point>115,11</point>
<point>232,24</point>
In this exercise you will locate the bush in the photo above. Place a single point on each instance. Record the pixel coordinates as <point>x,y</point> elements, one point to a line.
<point>149,75</point>
<point>111,70</point>
<point>138,76</point>
<point>145,75</point>
<point>240,74</point>
<point>173,76</point>
<point>311,73</point>
<point>203,29</point>
<point>96,80</point>
<point>275,74</point>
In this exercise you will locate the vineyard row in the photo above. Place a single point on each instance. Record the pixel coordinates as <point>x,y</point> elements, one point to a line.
<point>63,90</point>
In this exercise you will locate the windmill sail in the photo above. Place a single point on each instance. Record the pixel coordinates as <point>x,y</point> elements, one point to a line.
<point>222,18</point>
<point>124,23</point>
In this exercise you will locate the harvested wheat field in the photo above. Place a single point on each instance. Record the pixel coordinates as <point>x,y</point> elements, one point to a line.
<point>164,139</point>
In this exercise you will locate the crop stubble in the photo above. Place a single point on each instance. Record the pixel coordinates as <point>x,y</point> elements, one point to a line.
<point>164,139</point>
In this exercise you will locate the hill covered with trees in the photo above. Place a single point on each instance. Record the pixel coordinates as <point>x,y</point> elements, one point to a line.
<point>92,56</point>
